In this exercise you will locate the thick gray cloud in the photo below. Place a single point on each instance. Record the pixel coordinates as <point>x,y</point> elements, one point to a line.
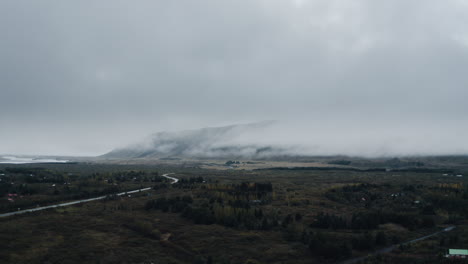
<point>355,77</point>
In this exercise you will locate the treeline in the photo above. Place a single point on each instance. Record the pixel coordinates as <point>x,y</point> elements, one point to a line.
<point>32,175</point>
<point>453,203</point>
<point>371,220</point>
<point>235,215</point>
<point>54,195</point>
<point>174,205</point>
<point>129,176</point>
<point>83,190</point>
<point>231,205</point>
<point>375,197</point>
<point>189,181</point>
<point>326,169</point>
<point>235,205</point>
<point>143,227</point>
<point>246,191</point>
<point>359,194</point>
<point>23,170</point>
<point>340,162</point>
<point>230,216</point>
<point>20,175</point>
<point>417,170</point>
<point>332,246</point>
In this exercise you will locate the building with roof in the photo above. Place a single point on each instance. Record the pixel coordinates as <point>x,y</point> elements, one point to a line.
<point>457,253</point>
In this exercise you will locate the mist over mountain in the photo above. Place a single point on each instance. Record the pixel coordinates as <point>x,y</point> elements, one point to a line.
<point>212,142</point>
<point>281,139</point>
<point>357,77</point>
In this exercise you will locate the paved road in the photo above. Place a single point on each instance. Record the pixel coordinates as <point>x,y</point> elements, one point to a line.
<point>174,180</point>
<point>391,248</point>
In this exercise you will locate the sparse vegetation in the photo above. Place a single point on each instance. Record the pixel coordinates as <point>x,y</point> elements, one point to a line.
<point>213,216</point>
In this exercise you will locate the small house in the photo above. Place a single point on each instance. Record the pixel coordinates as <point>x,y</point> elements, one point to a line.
<point>457,253</point>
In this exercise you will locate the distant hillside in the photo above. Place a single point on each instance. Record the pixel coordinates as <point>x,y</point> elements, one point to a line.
<point>212,142</point>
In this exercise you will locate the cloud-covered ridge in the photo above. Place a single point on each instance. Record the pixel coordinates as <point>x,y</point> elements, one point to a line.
<point>80,77</point>
<point>212,142</point>
<point>289,139</point>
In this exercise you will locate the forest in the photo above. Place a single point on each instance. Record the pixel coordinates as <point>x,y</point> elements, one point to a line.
<point>229,216</point>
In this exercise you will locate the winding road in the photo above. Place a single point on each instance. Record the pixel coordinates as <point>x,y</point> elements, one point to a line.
<point>174,180</point>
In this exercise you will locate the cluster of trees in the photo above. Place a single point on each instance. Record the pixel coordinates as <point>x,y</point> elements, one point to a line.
<point>143,227</point>
<point>54,195</point>
<point>230,216</point>
<point>233,205</point>
<point>253,187</point>
<point>191,180</point>
<point>246,191</point>
<point>235,215</point>
<point>230,162</point>
<point>242,187</point>
<point>161,185</point>
<point>333,246</point>
<point>358,193</point>
<point>189,183</point>
<point>129,176</point>
<point>40,186</point>
<point>452,203</point>
<point>32,175</point>
<point>327,245</point>
<point>20,189</point>
<point>368,240</point>
<point>450,187</point>
<point>29,195</point>
<point>409,199</point>
<point>23,170</point>
<point>397,163</point>
<point>372,219</point>
<point>452,197</point>
<point>27,181</point>
<point>323,220</point>
<point>174,205</point>
<point>340,162</point>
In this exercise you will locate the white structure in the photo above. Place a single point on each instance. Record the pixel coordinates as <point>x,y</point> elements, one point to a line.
<point>457,253</point>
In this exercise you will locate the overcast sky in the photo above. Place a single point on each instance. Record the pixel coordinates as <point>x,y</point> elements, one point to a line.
<point>83,77</point>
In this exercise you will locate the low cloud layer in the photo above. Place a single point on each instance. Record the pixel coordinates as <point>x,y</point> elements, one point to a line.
<point>349,77</point>
<point>277,139</point>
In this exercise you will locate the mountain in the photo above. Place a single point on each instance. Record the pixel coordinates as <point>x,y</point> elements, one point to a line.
<point>235,141</point>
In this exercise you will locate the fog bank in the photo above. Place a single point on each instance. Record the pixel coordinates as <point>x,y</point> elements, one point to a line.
<point>350,77</point>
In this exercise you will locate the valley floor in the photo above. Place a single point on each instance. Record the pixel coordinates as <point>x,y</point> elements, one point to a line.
<point>230,216</point>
